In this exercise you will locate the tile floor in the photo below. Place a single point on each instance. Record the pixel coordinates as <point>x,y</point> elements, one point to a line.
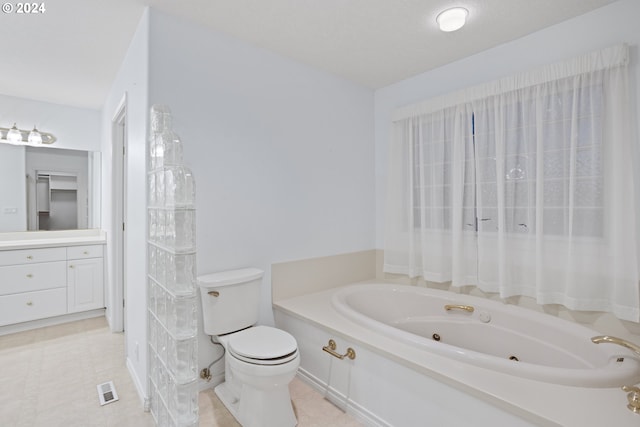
<point>48,377</point>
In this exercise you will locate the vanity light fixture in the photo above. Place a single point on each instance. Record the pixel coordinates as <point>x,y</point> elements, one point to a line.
<point>17,136</point>
<point>35,137</point>
<point>452,19</point>
<point>13,135</point>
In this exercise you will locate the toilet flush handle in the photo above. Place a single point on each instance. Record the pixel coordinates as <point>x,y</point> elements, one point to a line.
<point>214,293</point>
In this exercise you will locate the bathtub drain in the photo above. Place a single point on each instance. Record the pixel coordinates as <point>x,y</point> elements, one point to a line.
<point>436,337</point>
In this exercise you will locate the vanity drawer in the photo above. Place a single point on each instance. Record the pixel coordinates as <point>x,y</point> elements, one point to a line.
<point>30,256</point>
<point>33,277</point>
<point>88,251</point>
<point>32,305</point>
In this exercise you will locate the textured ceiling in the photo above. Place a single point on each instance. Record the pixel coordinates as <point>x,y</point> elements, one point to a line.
<point>71,53</point>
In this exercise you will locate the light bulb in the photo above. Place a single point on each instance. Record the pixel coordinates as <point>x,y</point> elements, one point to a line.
<point>14,136</point>
<point>35,137</point>
<point>452,19</point>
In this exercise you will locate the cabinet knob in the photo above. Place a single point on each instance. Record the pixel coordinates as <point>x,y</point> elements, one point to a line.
<point>86,252</point>
<point>29,257</point>
<point>71,266</point>
<point>29,303</point>
<point>29,276</point>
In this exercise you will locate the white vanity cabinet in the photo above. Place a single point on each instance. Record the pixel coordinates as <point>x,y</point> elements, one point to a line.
<point>85,278</point>
<point>45,282</point>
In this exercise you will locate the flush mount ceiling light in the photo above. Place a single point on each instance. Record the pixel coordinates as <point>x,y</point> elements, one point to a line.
<point>452,19</point>
<point>16,136</point>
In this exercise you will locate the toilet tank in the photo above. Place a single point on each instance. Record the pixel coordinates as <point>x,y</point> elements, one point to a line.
<point>230,300</point>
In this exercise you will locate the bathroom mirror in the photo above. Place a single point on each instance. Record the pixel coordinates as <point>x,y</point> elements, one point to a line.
<point>43,188</point>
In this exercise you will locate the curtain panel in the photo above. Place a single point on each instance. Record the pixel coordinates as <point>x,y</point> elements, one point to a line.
<point>523,186</point>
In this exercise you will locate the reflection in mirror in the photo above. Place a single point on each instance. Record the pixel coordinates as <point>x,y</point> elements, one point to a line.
<point>48,188</point>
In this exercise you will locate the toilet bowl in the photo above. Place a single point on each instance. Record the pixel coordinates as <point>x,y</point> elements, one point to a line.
<point>260,361</point>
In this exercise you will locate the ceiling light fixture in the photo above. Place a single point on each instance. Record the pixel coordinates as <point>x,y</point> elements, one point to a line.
<point>452,19</point>
<point>16,136</point>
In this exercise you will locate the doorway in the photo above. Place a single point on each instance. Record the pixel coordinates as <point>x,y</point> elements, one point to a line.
<point>119,215</point>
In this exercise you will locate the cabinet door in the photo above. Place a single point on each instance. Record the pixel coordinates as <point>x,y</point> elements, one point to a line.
<point>85,284</point>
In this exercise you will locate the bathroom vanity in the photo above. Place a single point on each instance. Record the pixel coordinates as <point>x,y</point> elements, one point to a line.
<point>48,274</point>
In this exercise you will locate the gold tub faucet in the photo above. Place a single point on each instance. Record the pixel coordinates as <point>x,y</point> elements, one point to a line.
<point>615,340</point>
<point>633,395</point>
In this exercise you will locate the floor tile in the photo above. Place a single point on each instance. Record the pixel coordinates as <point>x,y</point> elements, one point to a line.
<point>49,378</point>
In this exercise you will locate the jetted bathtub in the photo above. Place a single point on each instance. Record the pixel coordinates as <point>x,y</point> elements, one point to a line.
<point>418,363</point>
<point>489,334</point>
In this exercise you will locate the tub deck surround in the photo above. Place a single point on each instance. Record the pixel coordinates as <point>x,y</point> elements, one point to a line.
<point>540,403</point>
<point>49,239</point>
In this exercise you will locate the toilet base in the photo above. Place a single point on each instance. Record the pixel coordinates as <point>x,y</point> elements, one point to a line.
<point>256,408</point>
<point>227,399</point>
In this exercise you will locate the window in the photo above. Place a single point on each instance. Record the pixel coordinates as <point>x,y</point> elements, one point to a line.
<point>570,156</point>
<point>524,186</point>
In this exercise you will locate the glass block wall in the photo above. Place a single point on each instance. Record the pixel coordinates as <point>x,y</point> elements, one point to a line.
<point>172,297</point>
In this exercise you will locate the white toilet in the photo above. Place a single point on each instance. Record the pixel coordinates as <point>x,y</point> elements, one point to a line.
<point>260,361</point>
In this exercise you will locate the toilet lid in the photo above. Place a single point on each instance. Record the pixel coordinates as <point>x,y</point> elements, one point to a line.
<point>263,345</point>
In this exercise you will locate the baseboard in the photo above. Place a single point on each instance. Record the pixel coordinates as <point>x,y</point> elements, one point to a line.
<point>50,321</point>
<point>107,315</point>
<point>114,326</point>
<point>341,401</point>
<point>144,399</point>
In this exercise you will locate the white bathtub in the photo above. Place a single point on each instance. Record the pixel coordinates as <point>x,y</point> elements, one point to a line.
<point>402,378</point>
<point>496,336</point>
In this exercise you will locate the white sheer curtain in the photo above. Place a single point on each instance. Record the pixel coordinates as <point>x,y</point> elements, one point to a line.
<point>524,186</point>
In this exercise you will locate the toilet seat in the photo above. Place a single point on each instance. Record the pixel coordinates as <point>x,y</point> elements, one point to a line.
<point>263,345</point>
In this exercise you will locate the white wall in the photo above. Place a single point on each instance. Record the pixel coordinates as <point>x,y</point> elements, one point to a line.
<point>75,128</point>
<point>132,80</point>
<point>609,25</point>
<point>13,191</point>
<point>282,153</point>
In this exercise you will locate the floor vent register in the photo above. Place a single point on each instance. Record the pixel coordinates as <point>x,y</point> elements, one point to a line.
<point>107,393</point>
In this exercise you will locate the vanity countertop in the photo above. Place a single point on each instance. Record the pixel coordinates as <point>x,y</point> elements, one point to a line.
<point>47,239</point>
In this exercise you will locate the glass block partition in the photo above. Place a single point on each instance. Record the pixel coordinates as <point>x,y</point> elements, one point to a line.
<point>172,297</point>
